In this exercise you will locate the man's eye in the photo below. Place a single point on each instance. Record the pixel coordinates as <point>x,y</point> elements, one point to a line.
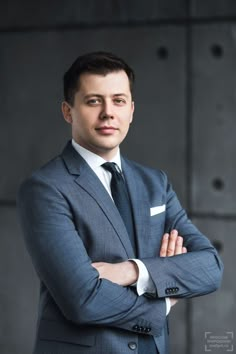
<point>93,101</point>
<point>119,101</point>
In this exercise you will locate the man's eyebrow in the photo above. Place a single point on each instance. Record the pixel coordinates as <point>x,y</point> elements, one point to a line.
<point>120,94</point>
<point>98,95</point>
<point>92,95</point>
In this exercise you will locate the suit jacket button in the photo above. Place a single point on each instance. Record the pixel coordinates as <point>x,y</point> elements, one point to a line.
<point>136,327</point>
<point>147,329</point>
<point>132,345</point>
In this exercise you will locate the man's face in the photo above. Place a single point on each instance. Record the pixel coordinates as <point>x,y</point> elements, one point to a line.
<point>102,112</point>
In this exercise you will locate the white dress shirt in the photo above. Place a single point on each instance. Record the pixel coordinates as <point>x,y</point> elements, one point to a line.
<point>144,283</point>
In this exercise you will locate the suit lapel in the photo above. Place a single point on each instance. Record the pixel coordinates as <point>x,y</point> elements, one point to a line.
<point>140,205</point>
<point>88,180</point>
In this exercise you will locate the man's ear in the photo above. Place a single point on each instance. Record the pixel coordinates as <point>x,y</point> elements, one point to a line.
<point>131,118</point>
<point>66,111</point>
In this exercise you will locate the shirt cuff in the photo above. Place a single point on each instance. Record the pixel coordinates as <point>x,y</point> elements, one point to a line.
<point>144,283</point>
<point>168,305</point>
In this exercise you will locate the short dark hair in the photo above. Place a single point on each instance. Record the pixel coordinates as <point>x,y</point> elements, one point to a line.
<point>100,63</point>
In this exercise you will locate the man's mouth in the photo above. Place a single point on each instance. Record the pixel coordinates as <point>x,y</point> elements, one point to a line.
<point>106,129</point>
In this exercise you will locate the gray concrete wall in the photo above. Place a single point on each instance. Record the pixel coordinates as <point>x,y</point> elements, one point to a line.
<point>184,57</point>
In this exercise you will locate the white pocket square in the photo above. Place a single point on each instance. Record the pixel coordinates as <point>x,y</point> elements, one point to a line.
<point>157,210</point>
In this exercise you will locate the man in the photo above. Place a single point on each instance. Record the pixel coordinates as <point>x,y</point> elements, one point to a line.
<point>108,277</point>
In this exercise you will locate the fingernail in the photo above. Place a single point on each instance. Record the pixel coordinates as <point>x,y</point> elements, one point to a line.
<point>174,232</point>
<point>179,239</point>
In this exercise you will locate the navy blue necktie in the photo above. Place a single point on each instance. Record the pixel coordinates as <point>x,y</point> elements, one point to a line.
<point>121,198</point>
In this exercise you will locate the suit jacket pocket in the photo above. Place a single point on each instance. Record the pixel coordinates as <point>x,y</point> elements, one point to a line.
<point>157,224</point>
<point>65,332</point>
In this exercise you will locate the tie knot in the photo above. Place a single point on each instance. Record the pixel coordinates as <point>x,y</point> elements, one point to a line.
<point>111,167</point>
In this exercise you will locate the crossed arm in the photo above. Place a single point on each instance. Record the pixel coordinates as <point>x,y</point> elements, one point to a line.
<point>126,273</point>
<point>64,266</point>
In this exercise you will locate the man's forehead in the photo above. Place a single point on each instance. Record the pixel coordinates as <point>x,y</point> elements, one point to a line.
<point>115,82</point>
<point>113,75</point>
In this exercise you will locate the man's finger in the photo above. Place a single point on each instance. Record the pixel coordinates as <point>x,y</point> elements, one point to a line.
<point>184,250</point>
<point>172,243</point>
<point>164,245</point>
<point>179,245</point>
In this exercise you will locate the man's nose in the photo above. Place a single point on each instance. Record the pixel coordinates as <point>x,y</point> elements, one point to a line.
<point>107,110</point>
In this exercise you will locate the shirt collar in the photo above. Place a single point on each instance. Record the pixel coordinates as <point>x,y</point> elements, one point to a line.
<point>94,160</point>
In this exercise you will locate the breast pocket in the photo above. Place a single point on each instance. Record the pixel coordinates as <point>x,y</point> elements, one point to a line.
<point>159,209</point>
<point>157,224</point>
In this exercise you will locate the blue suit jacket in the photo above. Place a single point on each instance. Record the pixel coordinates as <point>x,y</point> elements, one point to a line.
<point>69,221</point>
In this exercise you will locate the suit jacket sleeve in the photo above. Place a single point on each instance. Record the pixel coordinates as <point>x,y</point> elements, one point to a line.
<point>64,267</point>
<point>195,273</point>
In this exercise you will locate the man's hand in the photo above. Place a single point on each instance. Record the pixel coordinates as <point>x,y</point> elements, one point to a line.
<point>124,273</point>
<point>172,244</point>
